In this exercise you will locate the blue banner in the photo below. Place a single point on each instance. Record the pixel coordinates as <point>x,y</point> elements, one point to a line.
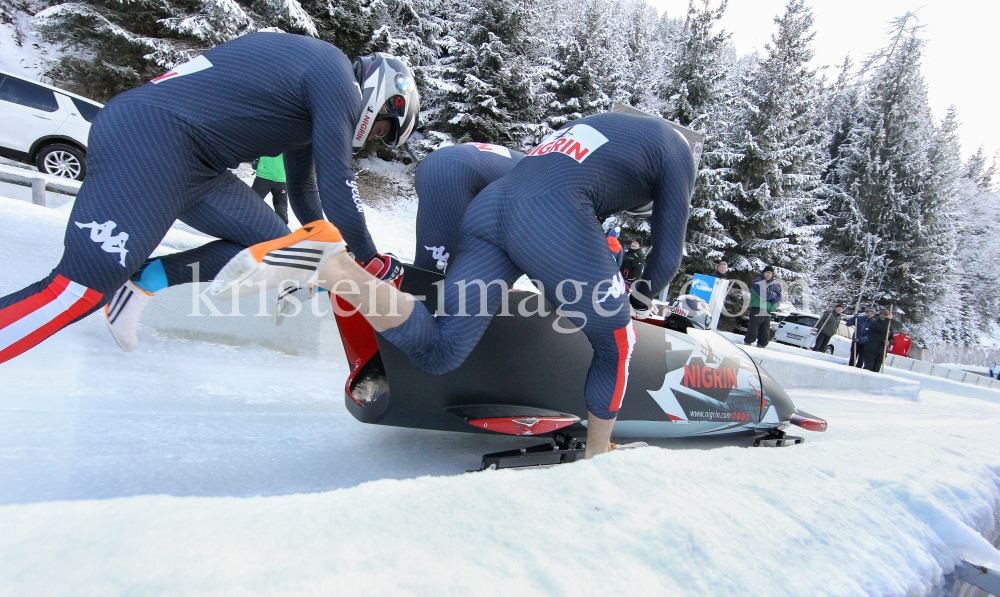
<point>702,286</point>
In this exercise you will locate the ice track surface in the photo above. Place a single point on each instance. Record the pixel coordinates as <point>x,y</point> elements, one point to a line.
<point>206,469</point>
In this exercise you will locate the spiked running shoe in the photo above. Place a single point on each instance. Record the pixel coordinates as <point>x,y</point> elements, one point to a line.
<point>292,259</point>
<point>122,314</point>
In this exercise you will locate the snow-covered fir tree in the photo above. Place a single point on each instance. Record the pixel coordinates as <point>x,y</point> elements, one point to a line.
<point>779,154</point>
<point>883,168</point>
<point>491,98</point>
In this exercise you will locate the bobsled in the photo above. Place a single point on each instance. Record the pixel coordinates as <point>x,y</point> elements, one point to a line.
<point>526,378</point>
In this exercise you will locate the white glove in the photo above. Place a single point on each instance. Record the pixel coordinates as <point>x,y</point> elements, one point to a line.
<point>645,313</point>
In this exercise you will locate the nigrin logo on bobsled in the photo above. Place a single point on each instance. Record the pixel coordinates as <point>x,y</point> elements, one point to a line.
<point>714,382</point>
<point>577,141</point>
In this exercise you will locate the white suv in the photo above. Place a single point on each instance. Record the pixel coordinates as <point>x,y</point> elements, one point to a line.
<point>799,329</point>
<point>45,126</point>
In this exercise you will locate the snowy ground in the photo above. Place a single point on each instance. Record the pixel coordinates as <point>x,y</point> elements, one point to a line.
<point>197,468</point>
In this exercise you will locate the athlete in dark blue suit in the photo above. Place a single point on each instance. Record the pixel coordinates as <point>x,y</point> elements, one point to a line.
<point>447,181</point>
<point>542,220</point>
<point>162,152</point>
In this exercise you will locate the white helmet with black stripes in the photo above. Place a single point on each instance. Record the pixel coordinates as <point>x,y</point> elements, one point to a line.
<point>388,92</point>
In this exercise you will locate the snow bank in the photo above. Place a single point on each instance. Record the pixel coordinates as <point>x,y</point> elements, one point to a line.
<point>805,371</point>
<point>823,518</point>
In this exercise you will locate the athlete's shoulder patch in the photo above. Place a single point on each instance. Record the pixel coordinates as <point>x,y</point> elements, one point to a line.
<point>577,141</point>
<point>490,148</point>
<point>191,66</point>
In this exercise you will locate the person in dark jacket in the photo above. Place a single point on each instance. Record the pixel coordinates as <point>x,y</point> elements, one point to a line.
<point>860,336</point>
<point>879,339</point>
<point>829,321</point>
<point>632,263</point>
<point>765,295</point>
<point>722,271</point>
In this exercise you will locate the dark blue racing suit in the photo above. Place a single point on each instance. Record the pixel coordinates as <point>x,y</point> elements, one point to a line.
<point>540,220</point>
<point>161,152</point>
<point>447,181</point>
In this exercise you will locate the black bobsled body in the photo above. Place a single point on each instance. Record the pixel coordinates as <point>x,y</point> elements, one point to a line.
<point>526,378</point>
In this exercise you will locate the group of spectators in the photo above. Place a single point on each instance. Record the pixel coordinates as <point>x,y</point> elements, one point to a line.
<point>873,336</point>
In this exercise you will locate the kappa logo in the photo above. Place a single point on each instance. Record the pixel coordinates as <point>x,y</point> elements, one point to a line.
<point>101,233</point>
<point>441,257</point>
<point>617,289</point>
<point>355,194</point>
<point>191,66</point>
<point>578,142</point>
<point>490,148</point>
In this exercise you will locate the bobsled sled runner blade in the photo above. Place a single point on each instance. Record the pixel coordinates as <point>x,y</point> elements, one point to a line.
<point>561,450</point>
<point>807,421</point>
<point>777,439</point>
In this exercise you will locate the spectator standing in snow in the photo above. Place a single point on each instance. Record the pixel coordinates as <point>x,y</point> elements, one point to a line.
<point>271,179</point>
<point>633,263</point>
<point>879,339</point>
<point>722,270</point>
<point>993,371</point>
<point>765,295</point>
<point>829,321</point>
<point>901,345</point>
<point>860,336</point>
<point>616,246</point>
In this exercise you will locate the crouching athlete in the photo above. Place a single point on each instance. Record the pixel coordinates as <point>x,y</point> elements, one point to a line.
<point>546,207</point>
<point>161,152</point>
<point>446,182</point>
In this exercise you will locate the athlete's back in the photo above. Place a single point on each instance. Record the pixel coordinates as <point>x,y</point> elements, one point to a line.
<point>617,160</point>
<point>260,94</point>
<point>606,163</point>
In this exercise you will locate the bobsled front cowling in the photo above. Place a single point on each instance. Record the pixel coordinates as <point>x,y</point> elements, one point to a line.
<point>529,379</point>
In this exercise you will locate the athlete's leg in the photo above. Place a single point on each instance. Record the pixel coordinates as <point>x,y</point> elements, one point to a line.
<point>279,199</point>
<point>140,177</point>
<point>231,211</point>
<point>472,294</point>
<point>587,289</point>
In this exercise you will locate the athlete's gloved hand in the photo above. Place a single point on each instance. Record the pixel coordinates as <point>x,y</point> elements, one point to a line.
<point>384,267</point>
<point>641,307</point>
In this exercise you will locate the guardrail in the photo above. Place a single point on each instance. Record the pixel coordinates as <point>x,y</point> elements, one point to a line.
<point>39,183</point>
<point>892,360</point>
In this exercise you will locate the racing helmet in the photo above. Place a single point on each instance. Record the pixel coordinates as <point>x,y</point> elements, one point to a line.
<point>388,92</point>
<point>698,315</point>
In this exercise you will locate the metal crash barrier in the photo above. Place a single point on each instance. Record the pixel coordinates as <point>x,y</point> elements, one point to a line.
<point>39,183</point>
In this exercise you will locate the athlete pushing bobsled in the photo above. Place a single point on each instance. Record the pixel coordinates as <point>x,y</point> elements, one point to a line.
<point>548,205</point>
<point>161,152</point>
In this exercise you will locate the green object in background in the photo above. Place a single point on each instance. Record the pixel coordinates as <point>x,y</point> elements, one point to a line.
<point>271,168</point>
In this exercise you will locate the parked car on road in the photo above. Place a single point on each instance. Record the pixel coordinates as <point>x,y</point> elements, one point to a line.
<point>799,329</point>
<point>45,126</point>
